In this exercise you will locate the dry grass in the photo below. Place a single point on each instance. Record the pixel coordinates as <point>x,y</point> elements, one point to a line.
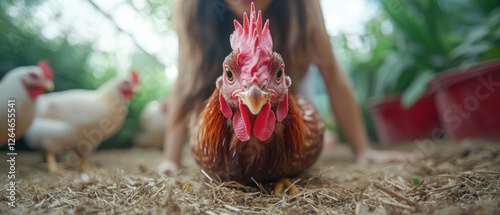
<point>452,179</point>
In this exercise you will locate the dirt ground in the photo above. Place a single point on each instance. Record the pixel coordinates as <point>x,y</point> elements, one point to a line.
<point>454,178</point>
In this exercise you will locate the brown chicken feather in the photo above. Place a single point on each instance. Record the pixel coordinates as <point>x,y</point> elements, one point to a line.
<point>293,147</point>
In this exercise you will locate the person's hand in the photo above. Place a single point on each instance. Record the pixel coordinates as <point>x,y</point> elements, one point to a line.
<point>167,167</point>
<point>372,156</point>
<point>329,140</point>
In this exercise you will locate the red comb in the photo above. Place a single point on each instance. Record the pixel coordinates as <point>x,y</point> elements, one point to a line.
<point>254,43</point>
<point>47,71</point>
<point>251,35</point>
<point>135,76</point>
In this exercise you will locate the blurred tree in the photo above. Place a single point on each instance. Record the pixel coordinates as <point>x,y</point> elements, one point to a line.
<point>21,43</point>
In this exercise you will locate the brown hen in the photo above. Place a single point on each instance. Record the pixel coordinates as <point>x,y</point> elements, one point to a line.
<point>251,128</point>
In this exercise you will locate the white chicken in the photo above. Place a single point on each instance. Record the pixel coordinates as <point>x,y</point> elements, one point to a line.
<point>80,119</point>
<point>151,131</point>
<point>19,90</point>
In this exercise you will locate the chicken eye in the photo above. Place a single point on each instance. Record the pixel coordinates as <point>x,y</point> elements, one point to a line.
<point>229,76</point>
<point>279,74</point>
<point>33,76</point>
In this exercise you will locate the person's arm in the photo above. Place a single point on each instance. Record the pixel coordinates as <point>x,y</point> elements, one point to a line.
<point>177,123</point>
<point>172,147</point>
<point>341,96</point>
<point>349,118</point>
<point>175,137</point>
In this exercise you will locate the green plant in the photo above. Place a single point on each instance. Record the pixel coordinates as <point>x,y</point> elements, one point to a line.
<point>415,180</point>
<point>408,42</point>
<point>427,37</point>
<point>431,40</point>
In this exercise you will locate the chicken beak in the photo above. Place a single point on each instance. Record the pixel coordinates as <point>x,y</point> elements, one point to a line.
<point>48,85</point>
<point>254,98</point>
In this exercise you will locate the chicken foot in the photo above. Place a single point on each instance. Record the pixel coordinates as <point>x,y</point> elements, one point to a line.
<point>84,164</point>
<point>281,185</point>
<point>84,161</point>
<point>52,164</point>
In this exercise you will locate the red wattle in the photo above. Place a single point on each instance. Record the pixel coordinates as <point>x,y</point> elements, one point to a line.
<point>241,123</point>
<point>224,107</point>
<point>35,92</point>
<point>264,123</point>
<point>282,109</point>
<point>127,94</point>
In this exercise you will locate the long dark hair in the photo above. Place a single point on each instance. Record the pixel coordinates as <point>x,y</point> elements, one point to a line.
<point>204,27</point>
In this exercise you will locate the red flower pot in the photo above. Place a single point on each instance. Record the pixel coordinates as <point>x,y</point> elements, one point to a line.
<point>468,101</point>
<point>396,124</point>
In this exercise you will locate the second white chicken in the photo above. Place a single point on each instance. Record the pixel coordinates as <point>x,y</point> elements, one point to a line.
<point>80,119</point>
<point>151,131</point>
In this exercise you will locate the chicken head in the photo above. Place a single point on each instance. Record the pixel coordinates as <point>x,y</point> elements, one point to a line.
<point>253,86</point>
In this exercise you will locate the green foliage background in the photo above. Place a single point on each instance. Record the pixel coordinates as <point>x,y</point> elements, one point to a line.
<point>408,42</point>
<point>426,37</point>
